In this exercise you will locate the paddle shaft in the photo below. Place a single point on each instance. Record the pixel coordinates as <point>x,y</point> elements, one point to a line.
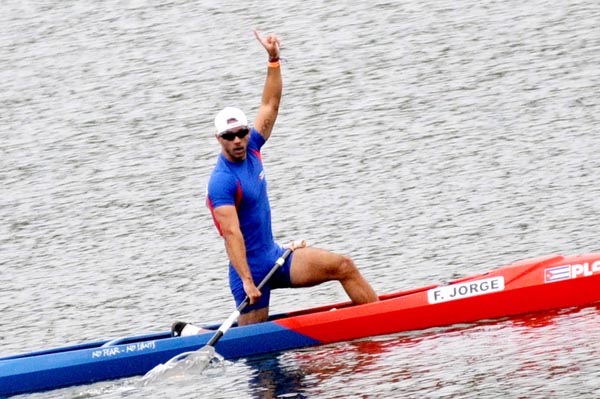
<point>231,319</point>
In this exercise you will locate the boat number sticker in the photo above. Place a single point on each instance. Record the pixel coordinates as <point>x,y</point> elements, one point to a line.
<point>465,290</point>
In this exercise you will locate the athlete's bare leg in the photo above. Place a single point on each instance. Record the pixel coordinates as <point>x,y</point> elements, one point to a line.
<point>312,266</point>
<point>254,316</point>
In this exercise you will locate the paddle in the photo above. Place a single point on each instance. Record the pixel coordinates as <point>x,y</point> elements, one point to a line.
<point>233,317</point>
<point>198,360</point>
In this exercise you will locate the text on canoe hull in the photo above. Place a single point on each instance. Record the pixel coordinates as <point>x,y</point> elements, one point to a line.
<point>121,349</point>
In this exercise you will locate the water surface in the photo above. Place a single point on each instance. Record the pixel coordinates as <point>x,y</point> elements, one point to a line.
<point>428,140</point>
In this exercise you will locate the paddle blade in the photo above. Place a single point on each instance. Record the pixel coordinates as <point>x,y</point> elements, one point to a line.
<point>184,365</point>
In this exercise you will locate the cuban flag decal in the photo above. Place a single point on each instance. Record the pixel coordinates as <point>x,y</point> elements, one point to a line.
<point>557,273</point>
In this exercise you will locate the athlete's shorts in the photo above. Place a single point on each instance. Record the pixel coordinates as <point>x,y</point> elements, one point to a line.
<point>281,279</point>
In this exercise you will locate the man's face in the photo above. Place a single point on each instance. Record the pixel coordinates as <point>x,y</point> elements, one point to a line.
<point>235,143</point>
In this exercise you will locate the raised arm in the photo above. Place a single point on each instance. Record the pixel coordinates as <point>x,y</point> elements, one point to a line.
<point>269,106</point>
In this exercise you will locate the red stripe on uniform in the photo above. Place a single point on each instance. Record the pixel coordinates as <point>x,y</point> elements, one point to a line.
<point>210,206</point>
<point>258,155</point>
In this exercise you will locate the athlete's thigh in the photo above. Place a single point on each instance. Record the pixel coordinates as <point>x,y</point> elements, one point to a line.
<point>311,266</point>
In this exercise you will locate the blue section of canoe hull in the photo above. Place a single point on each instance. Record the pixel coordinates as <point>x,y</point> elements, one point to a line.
<point>61,368</point>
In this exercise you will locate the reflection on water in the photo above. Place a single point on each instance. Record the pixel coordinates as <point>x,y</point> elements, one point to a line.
<point>295,374</point>
<point>269,379</point>
<point>452,361</point>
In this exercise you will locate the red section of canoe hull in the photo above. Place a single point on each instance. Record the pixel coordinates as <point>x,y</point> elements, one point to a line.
<point>525,290</point>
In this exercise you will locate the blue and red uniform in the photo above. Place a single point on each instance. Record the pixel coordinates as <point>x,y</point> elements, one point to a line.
<point>244,185</point>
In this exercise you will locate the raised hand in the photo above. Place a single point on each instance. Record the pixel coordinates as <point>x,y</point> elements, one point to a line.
<point>271,43</point>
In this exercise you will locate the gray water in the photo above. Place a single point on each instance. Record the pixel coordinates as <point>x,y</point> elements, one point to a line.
<point>426,139</point>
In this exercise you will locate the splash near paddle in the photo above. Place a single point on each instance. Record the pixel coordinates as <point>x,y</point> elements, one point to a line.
<point>184,365</point>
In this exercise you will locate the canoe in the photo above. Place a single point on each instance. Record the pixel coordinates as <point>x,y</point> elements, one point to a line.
<point>533,285</point>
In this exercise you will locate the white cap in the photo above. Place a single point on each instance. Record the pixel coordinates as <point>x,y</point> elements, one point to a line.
<point>230,118</point>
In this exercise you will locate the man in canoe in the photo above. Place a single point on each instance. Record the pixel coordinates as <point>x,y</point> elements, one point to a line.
<point>237,198</point>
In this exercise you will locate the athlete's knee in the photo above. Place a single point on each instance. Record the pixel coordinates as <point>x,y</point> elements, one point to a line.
<point>346,267</point>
